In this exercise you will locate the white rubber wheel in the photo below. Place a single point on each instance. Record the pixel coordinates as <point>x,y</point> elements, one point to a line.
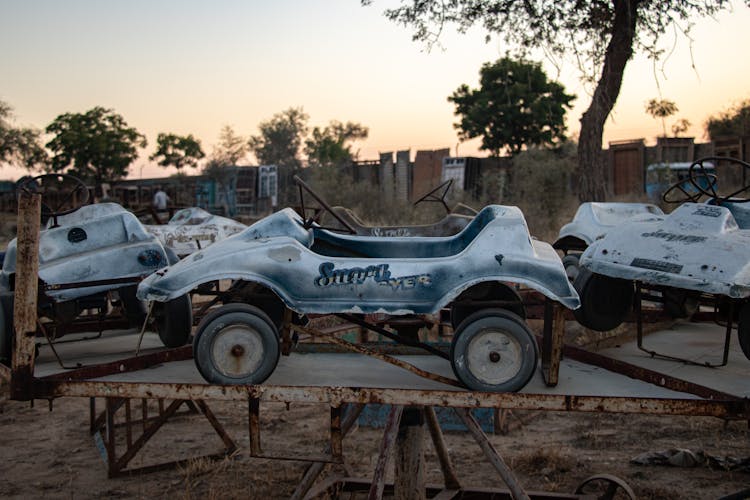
<point>236,344</point>
<point>493,351</point>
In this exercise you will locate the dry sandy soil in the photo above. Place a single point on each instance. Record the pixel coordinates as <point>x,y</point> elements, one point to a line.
<point>50,454</point>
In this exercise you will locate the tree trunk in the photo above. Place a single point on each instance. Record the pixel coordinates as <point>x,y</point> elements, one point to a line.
<point>591,179</point>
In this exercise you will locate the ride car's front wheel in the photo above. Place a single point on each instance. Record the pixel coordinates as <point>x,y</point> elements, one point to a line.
<point>174,321</point>
<point>743,329</point>
<point>493,351</point>
<point>236,344</point>
<point>605,301</point>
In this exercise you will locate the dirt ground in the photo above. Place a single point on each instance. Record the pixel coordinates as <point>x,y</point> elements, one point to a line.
<point>50,454</point>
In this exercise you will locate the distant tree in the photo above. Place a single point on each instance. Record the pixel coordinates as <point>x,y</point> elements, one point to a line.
<point>97,145</point>
<point>733,122</point>
<point>332,144</point>
<point>177,151</point>
<point>514,106</point>
<point>231,149</point>
<point>601,36</point>
<point>20,146</point>
<point>279,143</point>
<point>661,108</point>
<point>280,139</point>
<point>680,126</point>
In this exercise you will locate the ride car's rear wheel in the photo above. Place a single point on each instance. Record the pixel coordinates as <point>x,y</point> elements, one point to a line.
<point>605,301</point>
<point>493,351</point>
<point>6,327</point>
<point>174,321</point>
<point>743,329</point>
<point>236,344</point>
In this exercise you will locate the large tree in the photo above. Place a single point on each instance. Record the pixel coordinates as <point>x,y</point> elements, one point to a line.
<point>177,151</point>
<point>20,146</point>
<point>516,105</point>
<point>97,145</point>
<point>331,145</point>
<point>600,34</point>
<point>734,121</point>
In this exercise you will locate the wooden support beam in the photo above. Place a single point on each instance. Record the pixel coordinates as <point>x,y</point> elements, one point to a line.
<point>446,465</point>
<point>552,341</point>
<point>25,294</point>
<point>409,472</point>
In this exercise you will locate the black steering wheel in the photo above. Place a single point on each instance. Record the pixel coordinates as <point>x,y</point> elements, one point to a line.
<point>679,193</point>
<point>434,197</point>
<point>698,170</point>
<point>318,211</point>
<point>61,193</point>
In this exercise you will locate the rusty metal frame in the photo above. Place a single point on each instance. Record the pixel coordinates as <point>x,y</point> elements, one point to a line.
<point>637,306</point>
<point>104,429</point>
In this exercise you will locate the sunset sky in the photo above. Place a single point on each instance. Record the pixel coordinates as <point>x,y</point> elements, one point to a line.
<point>191,67</point>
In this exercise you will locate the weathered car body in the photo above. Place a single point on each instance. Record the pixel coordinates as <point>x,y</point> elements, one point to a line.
<point>95,243</point>
<point>90,259</point>
<point>593,220</point>
<point>319,271</point>
<point>298,265</point>
<point>697,247</point>
<point>192,229</point>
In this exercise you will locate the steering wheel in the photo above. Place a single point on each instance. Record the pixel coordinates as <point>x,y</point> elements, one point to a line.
<point>61,193</point>
<point>432,196</point>
<point>698,170</point>
<point>324,208</point>
<point>684,195</point>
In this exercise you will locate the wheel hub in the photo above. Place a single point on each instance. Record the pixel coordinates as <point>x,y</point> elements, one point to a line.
<point>494,357</point>
<point>237,350</point>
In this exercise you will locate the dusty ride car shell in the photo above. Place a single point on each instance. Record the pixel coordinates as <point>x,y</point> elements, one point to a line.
<point>192,229</point>
<point>592,221</point>
<point>90,253</point>
<point>318,271</point>
<point>698,247</point>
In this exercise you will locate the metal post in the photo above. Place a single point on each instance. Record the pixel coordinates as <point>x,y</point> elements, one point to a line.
<point>26,289</point>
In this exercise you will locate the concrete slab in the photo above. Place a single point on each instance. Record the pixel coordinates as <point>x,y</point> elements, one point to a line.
<point>698,342</point>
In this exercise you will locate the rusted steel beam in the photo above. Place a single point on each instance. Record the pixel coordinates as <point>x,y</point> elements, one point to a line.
<point>316,468</point>
<point>124,365</point>
<point>229,445</point>
<point>122,462</point>
<point>336,434</point>
<point>441,449</point>
<point>386,450</point>
<point>383,357</point>
<point>253,422</point>
<point>731,409</point>
<point>25,294</point>
<point>492,455</point>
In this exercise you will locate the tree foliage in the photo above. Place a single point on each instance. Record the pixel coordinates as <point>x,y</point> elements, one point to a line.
<point>514,106</point>
<point>735,121</point>
<point>97,145</point>
<point>20,146</point>
<point>177,151</point>
<point>332,145</point>
<point>600,36</point>
<point>661,108</point>
<point>280,139</point>
<point>231,149</point>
